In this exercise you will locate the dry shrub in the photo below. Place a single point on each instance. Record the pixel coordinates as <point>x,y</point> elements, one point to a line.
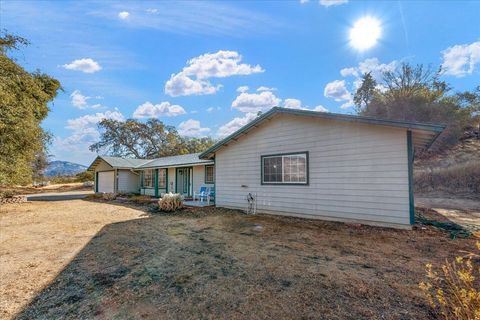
<point>170,202</point>
<point>463,177</point>
<point>108,196</point>
<point>140,199</point>
<point>454,291</point>
<point>7,194</point>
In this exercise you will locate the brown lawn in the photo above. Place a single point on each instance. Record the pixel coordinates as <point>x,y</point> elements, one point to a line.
<point>84,259</point>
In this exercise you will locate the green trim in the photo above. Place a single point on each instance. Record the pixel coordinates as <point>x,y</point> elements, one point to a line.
<point>410,176</point>
<point>156,183</point>
<point>141,179</point>
<point>96,182</point>
<point>285,183</point>
<point>324,115</point>
<point>205,169</point>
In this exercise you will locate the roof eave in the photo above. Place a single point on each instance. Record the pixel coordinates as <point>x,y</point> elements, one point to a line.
<point>325,115</point>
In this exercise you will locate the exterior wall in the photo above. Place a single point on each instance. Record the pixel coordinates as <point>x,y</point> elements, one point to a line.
<point>357,172</point>
<point>128,181</point>
<point>199,178</point>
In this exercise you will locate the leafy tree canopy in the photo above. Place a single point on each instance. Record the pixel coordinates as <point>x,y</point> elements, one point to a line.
<point>24,99</point>
<point>415,93</point>
<point>145,140</point>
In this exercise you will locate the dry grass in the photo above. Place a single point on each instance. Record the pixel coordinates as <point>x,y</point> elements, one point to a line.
<point>209,263</point>
<point>63,187</point>
<point>458,178</point>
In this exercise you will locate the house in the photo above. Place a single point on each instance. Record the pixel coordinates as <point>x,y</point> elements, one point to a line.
<point>297,163</point>
<point>179,174</point>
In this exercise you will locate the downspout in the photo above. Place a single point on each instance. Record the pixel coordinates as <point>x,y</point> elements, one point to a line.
<point>410,153</point>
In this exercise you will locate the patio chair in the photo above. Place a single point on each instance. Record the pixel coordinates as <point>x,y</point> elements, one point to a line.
<point>202,194</point>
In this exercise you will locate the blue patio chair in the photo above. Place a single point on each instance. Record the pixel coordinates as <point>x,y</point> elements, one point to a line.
<point>202,194</point>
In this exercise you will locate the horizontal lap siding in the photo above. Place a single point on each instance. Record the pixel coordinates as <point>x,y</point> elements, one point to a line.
<point>357,172</point>
<point>128,181</point>
<point>199,178</point>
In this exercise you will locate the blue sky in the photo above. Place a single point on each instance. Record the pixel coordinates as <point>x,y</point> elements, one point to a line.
<point>208,67</point>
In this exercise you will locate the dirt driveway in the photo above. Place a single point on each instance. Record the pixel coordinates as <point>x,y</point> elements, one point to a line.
<point>82,259</point>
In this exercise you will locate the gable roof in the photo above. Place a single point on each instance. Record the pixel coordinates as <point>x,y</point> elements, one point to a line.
<point>129,163</point>
<point>180,160</point>
<point>424,133</point>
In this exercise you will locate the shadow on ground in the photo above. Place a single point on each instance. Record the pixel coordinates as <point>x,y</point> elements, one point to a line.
<point>215,263</point>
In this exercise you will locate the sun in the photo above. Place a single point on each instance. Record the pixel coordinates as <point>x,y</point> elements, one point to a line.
<point>365,33</point>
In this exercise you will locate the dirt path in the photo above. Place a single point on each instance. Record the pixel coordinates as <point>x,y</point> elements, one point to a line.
<point>37,240</point>
<point>465,212</point>
<point>86,260</point>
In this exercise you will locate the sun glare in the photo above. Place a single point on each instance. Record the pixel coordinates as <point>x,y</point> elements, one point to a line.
<point>365,33</point>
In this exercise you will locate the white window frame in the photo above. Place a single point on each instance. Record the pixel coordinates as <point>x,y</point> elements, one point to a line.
<point>152,177</point>
<point>283,156</point>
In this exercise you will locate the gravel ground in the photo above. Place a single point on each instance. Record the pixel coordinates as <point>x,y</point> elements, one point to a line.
<point>84,259</point>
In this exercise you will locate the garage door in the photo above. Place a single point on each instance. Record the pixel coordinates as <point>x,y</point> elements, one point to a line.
<point>105,181</point>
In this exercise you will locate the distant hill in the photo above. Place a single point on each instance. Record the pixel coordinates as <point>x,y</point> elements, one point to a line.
<point>63,168</point>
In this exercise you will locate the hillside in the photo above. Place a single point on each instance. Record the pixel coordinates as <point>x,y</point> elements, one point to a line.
<point>454,171</point>
<point>63,168</point>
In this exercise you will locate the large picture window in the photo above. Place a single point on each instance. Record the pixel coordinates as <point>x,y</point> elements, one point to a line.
<point>148,178</point>
<point>209,174</point>
<point>291,168</point>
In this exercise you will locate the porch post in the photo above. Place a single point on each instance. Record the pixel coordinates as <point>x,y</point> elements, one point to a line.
<point>166,178</point>
<point>156,183</point>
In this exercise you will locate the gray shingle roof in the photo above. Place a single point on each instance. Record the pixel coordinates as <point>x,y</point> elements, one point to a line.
<point>181,160</point>
<point>184,159</point>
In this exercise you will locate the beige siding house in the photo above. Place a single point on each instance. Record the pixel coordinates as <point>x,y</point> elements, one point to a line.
<point>322,166</point>
<point>296,163</point>
<point>183,174</point>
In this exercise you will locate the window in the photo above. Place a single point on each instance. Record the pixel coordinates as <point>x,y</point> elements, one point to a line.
<point>285,168</point>
<point>162,178</point>
<point>148,178</point>
<point>209,174</point>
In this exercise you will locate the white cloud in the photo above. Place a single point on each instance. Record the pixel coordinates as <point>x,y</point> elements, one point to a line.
<point>328,3</point>
<point>81,102</point>
<point>292,103</point>
<point>84,133</point>
<point>461,60</point>
<point>254,102</point>
<point>123,15</point>
<point>242,89</point>
<point>85,123</point>
<point>86,65</point>
<point>150,110</point>
<point>182,85</point>
<point>212,109</point>
<point>371,65</point>
<point>193,79</point>
<point>152,10</point>
<point>320,109</point>
<point>235,124</point>
<point>337,90</point>
<point>192,128</point>
<point>304,1</point>
<point>262,88</point>
<point>297,104</point>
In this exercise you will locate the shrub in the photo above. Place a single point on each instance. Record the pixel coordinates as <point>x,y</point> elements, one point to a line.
<point>454,291</point>
<point>140,199</point>
<point>109,196</point>
<point>7,194</point>
<point>170,202</point>
<point>463,177</point>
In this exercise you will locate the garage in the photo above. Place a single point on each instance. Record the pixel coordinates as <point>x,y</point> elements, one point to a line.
<point>105,181</point>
